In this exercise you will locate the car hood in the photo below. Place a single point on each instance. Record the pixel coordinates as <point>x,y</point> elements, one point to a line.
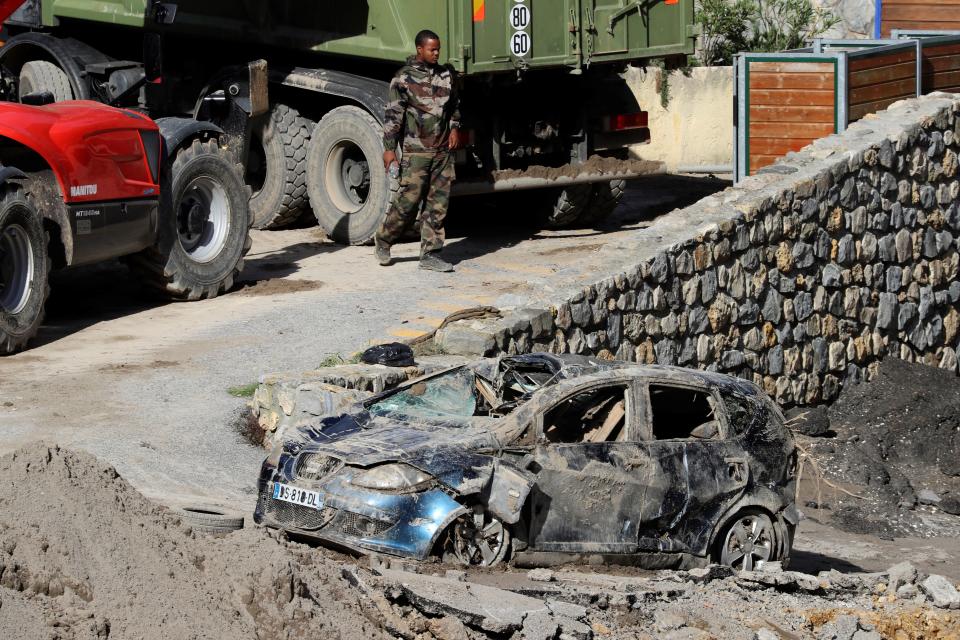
<point>451,453</point>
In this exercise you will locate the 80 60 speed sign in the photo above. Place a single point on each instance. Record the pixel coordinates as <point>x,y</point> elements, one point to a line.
<point>519,20</point>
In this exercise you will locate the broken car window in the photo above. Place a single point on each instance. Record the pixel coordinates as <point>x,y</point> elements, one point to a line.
<point>451,395</point>
<point>597,415</point>
<point>740,412</point>
<point>681,413</point>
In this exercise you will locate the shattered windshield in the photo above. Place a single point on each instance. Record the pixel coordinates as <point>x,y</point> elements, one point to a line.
<point>451,395</point>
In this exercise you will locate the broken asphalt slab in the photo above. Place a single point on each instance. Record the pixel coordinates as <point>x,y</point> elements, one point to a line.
<point>487,608</point>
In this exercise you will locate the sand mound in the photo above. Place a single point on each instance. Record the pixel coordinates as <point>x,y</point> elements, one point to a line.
<point>84,555</point>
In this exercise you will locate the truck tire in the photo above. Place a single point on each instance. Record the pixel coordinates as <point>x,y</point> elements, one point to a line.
<point>24,267</point>
<point>555,208</point>
<point>204,225</point>
<point>277,168</point>
<point>604,199</point>
<point>348,185</point>
<point>40,75</point>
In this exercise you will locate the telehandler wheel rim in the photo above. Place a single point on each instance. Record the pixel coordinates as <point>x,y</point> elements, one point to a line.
<point>203,219</point>
<point>347,176</point>
<point>16,269</point>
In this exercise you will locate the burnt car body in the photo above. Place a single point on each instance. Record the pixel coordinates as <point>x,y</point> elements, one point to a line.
<point>542,454</point>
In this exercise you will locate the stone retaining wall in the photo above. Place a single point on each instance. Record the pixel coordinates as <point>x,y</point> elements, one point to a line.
<point>800,278</point>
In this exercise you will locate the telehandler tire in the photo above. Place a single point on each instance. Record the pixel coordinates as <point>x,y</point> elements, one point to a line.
<point>24,269</point>
<point>204,226</point>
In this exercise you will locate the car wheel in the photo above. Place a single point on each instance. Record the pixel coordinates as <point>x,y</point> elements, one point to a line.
<point>477,539</point>
<point>40,75</point>
<point>204,225</point>
<point>747,541</point>
<point>24,267</point>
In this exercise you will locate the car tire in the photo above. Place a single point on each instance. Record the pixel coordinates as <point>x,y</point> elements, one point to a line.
<point>603,201</point>
<point>204,225</point>
<point>207,519</point>
<point>24,269</point>
<point>747,540</point>
<point>40,75</point>
<point>348,186</point>
<point>460,547</point>
<point>277,168</point>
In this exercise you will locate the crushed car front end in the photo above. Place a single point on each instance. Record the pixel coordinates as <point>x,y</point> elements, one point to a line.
<point>333,506</point>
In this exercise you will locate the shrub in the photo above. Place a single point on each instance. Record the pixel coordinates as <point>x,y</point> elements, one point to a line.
<point>730,26</point>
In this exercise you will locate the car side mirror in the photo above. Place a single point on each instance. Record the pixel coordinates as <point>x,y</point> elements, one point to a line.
<point>705,431</point>
<point>38,98</point>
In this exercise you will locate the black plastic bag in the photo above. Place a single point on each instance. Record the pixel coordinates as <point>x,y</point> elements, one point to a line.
<point>394,354</point>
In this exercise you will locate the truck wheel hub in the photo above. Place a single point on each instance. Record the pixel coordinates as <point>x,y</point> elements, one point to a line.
<point>347,176</point>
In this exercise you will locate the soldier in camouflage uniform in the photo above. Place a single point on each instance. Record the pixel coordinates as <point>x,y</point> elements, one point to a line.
<point>422,112</point>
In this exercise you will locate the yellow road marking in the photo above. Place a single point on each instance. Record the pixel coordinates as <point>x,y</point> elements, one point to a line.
<point>403,332</point>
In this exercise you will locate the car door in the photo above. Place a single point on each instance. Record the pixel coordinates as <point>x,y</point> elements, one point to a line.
<point>686,428</point>
<point>591,492</point>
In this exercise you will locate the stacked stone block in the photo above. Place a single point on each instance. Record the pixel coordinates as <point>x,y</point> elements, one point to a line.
<point>804,277</point>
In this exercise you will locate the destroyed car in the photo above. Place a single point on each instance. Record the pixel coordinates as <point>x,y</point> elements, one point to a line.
<point>541,456</point>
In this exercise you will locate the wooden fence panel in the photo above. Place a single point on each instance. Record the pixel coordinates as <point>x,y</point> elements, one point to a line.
<point>919,15</point>
<point>791,104</point>
<point>876,82</point>
<point>941,66</point>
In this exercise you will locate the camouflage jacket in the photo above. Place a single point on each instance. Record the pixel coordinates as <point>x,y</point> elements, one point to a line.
<point>422,108</point>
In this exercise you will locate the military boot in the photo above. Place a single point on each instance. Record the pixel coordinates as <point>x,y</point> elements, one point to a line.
<point>433,262</point>
<point>382,254</point>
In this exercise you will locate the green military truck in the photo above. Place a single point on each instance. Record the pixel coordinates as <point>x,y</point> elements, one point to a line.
<point>299,89</point>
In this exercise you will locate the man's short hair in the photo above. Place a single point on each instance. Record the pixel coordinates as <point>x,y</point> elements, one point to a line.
<point>425,35</point>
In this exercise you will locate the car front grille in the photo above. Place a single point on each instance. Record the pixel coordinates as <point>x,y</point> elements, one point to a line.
<point>359,526</point>
<point>287,514</point>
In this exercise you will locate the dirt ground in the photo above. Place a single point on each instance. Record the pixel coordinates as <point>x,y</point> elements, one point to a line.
<point>143,386</point>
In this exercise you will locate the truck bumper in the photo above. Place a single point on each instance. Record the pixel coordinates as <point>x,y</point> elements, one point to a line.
<point>560,177</point>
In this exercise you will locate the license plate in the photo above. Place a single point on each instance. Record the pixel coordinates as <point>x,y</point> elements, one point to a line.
<point>296,495</point>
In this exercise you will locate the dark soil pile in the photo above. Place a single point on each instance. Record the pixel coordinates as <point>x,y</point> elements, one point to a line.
<point>84,555</point>
<point>896,441</point>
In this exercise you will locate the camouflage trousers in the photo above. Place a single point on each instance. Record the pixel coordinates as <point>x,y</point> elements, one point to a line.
<point>427,178</point>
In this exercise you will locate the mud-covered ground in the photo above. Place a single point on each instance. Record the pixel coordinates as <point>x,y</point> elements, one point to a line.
<point>890,455</point>
<point>84,555</point>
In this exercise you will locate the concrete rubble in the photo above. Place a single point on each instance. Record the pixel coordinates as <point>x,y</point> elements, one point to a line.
<point>285,400</point>
<point>707,602</point>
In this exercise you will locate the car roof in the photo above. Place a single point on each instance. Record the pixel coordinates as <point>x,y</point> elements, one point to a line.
<point>572,367</point>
